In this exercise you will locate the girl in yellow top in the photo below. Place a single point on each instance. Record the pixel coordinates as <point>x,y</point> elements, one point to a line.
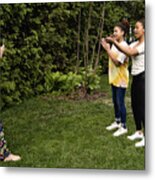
<point>118,77</point>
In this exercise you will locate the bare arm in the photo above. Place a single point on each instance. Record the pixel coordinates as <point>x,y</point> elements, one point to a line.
<point>106,46</point>
<point>2,48</point>
<point>125,49</point>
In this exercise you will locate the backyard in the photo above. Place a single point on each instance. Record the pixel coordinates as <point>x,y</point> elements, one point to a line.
<point>58,132</point>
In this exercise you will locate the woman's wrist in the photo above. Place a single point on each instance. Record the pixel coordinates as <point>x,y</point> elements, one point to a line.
<point>115,42</point>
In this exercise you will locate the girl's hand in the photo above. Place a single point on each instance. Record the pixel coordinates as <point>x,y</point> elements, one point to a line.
<point>2,49</point>
<point>110,39</point>
<point>105,45</point>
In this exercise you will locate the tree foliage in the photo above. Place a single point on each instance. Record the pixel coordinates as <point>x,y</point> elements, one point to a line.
<point>43,40</point>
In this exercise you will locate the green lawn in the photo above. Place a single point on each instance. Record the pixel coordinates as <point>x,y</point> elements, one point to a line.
<point>48,132</point>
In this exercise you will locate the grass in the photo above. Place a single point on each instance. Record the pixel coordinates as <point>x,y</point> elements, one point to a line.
<point>52,133</point>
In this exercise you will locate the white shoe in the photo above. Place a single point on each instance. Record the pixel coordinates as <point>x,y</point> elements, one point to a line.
<point>114,125</point>
<point>136,135</point>
<point>141,143</point>
<point>120,132</point>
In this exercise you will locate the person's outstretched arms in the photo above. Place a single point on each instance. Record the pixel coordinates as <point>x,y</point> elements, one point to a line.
<point>106,46</point>
<point>129,51</point>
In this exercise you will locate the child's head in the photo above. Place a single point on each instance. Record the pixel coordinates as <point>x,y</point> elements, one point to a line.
<point>121,29</point>
<point>139,29</point>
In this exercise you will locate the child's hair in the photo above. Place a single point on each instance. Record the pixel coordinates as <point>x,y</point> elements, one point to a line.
<point>142,21</point>
<point>124,25</point>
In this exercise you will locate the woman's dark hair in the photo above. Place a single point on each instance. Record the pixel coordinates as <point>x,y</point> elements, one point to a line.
<point>142,21</point>
<point>124,25</point>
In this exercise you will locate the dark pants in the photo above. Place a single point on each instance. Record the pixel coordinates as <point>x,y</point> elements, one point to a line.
<point>118,95</point>
<point>138,100</point>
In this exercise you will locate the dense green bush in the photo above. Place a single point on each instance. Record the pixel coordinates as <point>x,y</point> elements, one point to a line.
<point>60,82</point>
<point>47,44</point>
<point>57,81</point>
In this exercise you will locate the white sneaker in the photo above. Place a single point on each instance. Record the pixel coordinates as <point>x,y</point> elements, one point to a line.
<point>136,135</point>
<point>120,132</point>
<point>114,125</point>
<point>141,143</point>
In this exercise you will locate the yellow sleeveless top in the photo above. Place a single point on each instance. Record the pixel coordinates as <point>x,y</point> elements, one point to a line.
<point>119,75</point>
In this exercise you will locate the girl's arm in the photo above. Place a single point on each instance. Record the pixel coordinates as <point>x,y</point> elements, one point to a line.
<point>2,48</point>
<point>106,46</point>
<point>125,49</point>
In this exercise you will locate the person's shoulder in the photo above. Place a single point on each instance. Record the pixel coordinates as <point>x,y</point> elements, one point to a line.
<point>133,43</point>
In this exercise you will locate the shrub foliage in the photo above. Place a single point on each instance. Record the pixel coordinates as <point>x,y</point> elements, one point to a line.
<point>55,46</point>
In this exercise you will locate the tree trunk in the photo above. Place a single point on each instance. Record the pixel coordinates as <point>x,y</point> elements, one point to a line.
<point>78,42</point>
<point>86,49</point>
<point>100,36</point>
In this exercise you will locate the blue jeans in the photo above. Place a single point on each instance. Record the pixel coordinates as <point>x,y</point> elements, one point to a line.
<point>118,96</point>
